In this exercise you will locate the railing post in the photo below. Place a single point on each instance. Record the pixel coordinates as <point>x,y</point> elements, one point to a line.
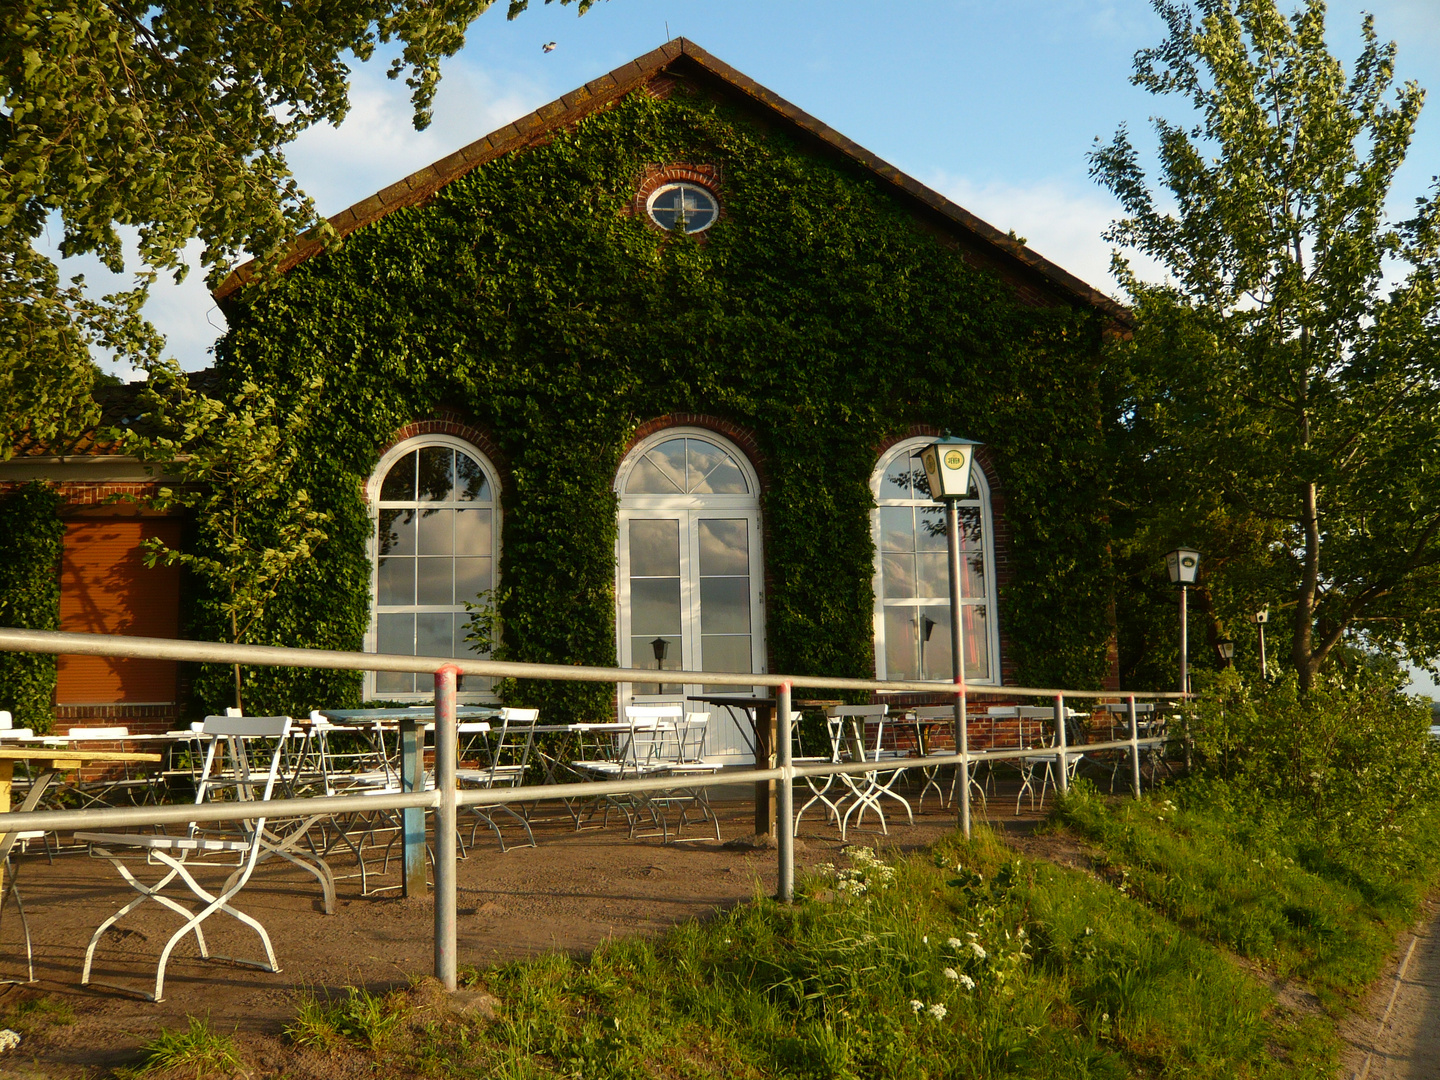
<point>445,825</point>
<point>1134,747</point>
<point>785,796</point>
<point>1063,780</point>
<point>412,819</point>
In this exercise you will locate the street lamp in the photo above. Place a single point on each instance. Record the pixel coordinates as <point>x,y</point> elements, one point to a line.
<point>1261,617</point>
<point>1227,650</point>
<point>947,468</point>
<point>1183,565</point>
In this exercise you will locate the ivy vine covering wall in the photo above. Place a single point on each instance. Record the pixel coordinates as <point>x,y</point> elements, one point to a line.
<point>821,313</point>
<point>30,599</point>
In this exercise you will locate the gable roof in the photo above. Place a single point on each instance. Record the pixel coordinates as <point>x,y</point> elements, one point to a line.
<point>985,244</point>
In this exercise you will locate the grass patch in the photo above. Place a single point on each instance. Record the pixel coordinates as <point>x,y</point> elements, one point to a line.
<point>1257,880</point>
<point>35,1012</point>
<point>178,1053</point>
<point>965,962</point>
<point>359,1018</point>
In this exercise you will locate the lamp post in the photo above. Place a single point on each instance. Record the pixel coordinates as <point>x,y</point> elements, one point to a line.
<point>1183,565</point>
<point>1227,651</point>
<point>1261,617</point>
<point>947,468</point>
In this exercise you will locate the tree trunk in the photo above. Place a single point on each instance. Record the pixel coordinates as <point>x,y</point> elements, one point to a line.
<point>234,634</point>
<point>1301,653</point>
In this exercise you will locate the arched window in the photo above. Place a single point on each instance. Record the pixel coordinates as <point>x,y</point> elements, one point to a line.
<point>912,574</point>
<point>436,545</point>
<point>689,581</point>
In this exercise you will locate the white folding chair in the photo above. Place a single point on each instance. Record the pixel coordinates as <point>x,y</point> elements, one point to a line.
<point>241,782</point>
<point>848,737</point>
<point>507,741</point>
<point>12,893</point>
<point>635,750</point>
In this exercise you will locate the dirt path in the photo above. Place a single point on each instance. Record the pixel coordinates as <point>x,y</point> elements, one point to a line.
<point>1396,1036</point>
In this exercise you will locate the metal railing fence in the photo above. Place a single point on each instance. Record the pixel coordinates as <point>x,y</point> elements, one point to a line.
<point>446,798</point>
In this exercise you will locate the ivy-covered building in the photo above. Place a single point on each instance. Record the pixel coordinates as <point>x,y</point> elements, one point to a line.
<point>645,373</point>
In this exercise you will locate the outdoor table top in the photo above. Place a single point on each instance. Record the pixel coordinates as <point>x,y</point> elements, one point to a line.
<point>424,712</point>
<point>58,754</point>
<point>743,701</point>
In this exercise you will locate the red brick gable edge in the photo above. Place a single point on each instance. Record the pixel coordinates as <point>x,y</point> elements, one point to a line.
<point>456,425</point>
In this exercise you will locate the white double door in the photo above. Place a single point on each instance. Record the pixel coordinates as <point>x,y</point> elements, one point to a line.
<point>691,598</point>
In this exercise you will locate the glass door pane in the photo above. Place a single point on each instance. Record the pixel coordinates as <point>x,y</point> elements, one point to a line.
<point>656,616</point>
<point>724,594</point>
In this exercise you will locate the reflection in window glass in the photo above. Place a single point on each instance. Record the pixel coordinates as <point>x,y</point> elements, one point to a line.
<point>687,467</point>
<point>687,207</point>
<point>914,570</point>
<point>435,550</point>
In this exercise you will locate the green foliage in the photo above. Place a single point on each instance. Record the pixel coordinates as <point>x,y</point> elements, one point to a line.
<point>1353,758</point>
<point>816,313</point>
<point>233,465</point>
<point>30,599</point>
<point>172,119</point>
<point>197,1047</point>
<point>1285,406</point>
<point>1304,840</point>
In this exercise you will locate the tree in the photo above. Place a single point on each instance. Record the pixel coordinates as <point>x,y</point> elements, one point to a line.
<point>232,464</point>
<point>170,118</point>
<point>1290,367</point>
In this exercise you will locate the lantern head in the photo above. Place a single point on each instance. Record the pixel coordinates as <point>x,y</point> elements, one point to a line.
<point>947,467</point>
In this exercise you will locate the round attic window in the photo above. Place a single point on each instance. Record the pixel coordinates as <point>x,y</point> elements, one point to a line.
<point>687,207</point>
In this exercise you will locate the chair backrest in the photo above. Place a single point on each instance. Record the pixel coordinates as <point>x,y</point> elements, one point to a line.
<point>691,736</point>
<point>934,712</point>
<point>243,777</point>
<point>665,711</point>
<point>6,720</point>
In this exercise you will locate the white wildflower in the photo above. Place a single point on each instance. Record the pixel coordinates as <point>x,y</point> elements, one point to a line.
<point>952,974</point>
<point>954,943</point>
<point>925,940</point>
<point>9,1040</point>
<point>967,982</point>
<point>937,1011</point>
<point>978,950</point>
<point>916,1006</point>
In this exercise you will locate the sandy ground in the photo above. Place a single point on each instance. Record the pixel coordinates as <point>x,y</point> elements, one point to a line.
<point>570,893</point>
<point>1402,1043</point>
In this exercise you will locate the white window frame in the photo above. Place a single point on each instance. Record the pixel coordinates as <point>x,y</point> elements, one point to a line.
<point>689,509</point>
<point>905,448</point>
<point>372,548</point>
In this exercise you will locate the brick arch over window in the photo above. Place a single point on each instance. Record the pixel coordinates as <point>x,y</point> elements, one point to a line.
<point>657,176</point>
<point>457,425</point>
<point>742,437</point>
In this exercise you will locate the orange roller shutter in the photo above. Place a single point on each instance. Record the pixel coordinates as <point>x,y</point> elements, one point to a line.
<point>105,588</point>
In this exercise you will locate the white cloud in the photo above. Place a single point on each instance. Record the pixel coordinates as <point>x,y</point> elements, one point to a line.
<point>378,144</point>
<point>1058,219</point>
